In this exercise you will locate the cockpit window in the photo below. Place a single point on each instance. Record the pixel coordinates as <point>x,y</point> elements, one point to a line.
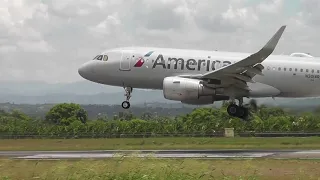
<point>105,57</point>
<point>96,57</point>
<point>101,57</point>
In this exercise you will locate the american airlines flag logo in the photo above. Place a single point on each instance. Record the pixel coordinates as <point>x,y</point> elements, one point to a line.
<point>140,61</point>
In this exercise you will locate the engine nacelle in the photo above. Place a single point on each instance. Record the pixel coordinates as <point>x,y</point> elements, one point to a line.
<point>203,100</point>
<point>300,54</point>
<point>185,89</point>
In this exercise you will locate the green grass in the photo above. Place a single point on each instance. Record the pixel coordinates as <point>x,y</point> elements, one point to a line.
<point>161,143</point>
<point>164,169</point>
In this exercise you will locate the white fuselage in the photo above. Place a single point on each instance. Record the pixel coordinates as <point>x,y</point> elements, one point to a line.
<point>289,76</point>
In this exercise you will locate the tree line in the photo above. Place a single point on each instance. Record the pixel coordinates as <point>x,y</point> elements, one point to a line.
<point>71,120</point>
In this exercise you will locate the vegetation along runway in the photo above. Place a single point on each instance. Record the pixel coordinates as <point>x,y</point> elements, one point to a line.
<point>74,149</point>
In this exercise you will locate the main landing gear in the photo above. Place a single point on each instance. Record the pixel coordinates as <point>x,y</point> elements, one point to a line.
<point>238,111</point>
<point>126,104</point>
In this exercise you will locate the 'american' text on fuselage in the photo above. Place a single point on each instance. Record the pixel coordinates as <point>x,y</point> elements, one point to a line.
<point>190,64</point>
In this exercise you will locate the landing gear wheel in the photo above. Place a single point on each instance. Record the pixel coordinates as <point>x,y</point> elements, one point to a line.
<point>232,109</point>
<point>125,104</point>
<point>238,111</point>
<point>243,112</point>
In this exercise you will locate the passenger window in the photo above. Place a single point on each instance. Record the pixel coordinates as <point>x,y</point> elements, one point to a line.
<point>296,69</point>
<point>284,69</point>
<point>312,71</point>
<point>318,71</point>
<point>105,57</point>
<point>307,70</point>
<point>301,70</point>
<point>290,69</point>
<point>279,68</point>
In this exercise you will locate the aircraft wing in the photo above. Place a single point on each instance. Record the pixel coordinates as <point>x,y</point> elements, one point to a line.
<point>244,70</point>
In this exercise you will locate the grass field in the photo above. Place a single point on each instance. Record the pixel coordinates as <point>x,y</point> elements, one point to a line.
<point>164,169</point>
<point>161,143</point>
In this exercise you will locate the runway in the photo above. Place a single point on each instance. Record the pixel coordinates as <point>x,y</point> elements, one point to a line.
<point>204,154</point>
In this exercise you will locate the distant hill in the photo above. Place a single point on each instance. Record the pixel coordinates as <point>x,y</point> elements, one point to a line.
<point>139,97</point>
<point>36,88</point>
<point>95,111</point>
<point>85,92</point>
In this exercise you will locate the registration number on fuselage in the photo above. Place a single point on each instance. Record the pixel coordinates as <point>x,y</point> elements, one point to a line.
<point>310,76</point>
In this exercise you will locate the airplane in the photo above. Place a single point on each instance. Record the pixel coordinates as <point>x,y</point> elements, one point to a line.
<point>200,77</point>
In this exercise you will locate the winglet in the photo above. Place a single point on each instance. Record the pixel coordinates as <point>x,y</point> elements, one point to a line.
<point>272,43</point>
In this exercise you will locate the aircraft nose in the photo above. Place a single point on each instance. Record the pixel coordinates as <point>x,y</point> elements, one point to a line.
<point>84,70</point>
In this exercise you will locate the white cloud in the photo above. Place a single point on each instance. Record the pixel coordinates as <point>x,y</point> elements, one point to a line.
<point>35,46</point>
<point>106,26</point>
<point>48,40</point>
<point>273,6</point>
<point>8,49</point>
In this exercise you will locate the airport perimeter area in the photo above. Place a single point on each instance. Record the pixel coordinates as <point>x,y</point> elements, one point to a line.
<point>200,145</point>
<point>161,158</point>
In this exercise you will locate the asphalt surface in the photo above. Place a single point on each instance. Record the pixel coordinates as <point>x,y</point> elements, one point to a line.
<point>206,154</point>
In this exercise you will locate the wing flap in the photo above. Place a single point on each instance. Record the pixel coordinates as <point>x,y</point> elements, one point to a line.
<point>241,77</point>
<point>257,69</point>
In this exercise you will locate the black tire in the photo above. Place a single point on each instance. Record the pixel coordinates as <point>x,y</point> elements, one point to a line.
<point>243,113</point>
<point>125,104</point>
<point>232,109</point>
<point>240,112</point>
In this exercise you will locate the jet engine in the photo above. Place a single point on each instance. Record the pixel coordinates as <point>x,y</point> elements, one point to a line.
<point>203,100</point>
<point>187,90</point>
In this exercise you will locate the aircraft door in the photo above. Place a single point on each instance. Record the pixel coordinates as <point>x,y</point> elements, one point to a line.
<point>125,62</point>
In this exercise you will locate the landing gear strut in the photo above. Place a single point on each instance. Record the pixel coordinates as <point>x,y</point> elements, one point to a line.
<point>126,104</point>
<point>238,111</point>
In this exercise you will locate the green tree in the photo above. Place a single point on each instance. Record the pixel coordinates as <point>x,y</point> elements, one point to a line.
<point>66,113</point>
<point>19,115</point>
<point>126,115</point>
<point>146,116</point>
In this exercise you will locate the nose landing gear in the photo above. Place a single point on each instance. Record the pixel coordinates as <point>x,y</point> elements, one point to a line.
<point>126,104</point>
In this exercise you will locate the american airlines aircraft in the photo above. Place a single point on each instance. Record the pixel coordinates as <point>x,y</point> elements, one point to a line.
<point>201,77</point>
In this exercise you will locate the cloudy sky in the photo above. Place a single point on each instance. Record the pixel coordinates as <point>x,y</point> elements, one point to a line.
<point>47,40</point>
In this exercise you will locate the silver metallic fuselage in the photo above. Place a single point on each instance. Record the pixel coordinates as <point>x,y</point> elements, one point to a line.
<point>119,70</point>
